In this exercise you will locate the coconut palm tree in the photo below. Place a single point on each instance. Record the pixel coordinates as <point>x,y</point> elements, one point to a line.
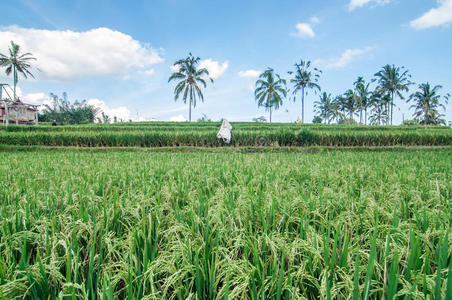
<point>270,90</point>
<point>190,78</point>
<point>16,63</point>
<point>349,103</point>
<point>335,109</point>
<point>362,90</point>
<point>427,102</point>
<point>323,107</point>
<point>304,79</point>
<point>379,104</point>
<point>393,80</point>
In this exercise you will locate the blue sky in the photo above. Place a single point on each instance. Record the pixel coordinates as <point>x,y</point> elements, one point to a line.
<point>118,54</point>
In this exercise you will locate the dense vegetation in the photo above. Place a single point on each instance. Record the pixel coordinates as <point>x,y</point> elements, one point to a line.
<point>126,225</point>
<point>158,134</point>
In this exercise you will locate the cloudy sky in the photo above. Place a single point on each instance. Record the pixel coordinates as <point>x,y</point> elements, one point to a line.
<point>118,55</point>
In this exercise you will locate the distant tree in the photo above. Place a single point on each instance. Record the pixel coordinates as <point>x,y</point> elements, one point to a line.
<point>204,118</point>
<point>347,121</point>
<point>317,120</point>
<point>64,112</point>
<point>190,78</point>
<point>105,118</point>
<point>363,93</point>
<point>260,119</point>
<point>270,90</point>
<point>393,80</point>
<point>16,63</point>
<point>427,102</point>
<point>303,80</point>
<point>410,122</point>
<point>324,107</point>
<point>335,110</point>
<point>379,104</point>
<point>348,104</point>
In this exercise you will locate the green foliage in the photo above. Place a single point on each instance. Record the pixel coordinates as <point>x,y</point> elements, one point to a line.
<point>304,79</point>
<point>63,112</point>
<point>270,90</point>
<point>317,120</point>
<point>190,80</point>
<point>413,122</point>
<point>140,225</point>
<point>427,102</point>
<point>16,63</point>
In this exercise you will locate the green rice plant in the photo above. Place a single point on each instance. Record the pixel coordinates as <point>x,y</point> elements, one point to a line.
<point>224,225</point>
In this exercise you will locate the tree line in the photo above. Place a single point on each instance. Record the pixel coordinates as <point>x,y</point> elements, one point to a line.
<point>371,106</point>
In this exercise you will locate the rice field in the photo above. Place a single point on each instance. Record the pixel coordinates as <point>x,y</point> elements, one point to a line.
<point>167,134</point>
<point>144,225</point>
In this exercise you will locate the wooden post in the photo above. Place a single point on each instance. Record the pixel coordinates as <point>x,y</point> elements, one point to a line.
<point>6,113</point>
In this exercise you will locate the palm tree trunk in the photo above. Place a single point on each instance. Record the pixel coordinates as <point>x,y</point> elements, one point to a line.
<point>392,105</point>
<point>360,115</point>
<point>302,104</point>
<point>365,116</point>
<point>270,114</point>
<point>189,111</point>
<point>15,81</point>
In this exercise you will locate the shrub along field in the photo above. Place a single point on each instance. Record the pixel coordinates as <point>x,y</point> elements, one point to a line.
<point>141,225</point>
<point>161,134</point>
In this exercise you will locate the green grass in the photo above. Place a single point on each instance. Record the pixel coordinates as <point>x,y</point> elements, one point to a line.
<point>145,225</point>
<point>161,134</point>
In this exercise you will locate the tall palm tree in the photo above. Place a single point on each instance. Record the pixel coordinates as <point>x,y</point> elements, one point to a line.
<point>323,107</point>
<point>362,90</point>
<point>335,109</point>
<point>379,104</point>
<point>393,80</point>
<point>270,90</point>
<point>349,103</point>
<point>16,63</point>
<point>190,78</point>
<point>304,78</point>
<point>427,101</point>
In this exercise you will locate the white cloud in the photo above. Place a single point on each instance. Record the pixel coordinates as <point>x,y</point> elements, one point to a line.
<point>314,20</point>
<point>69,54</point>
<point>149,72</point>
<point>120,112</point>
<point>33,98</point>
<point>178,118</point>
<point>304,30</point>
<point>441,15</point>
<point>216,69</point>
<point>249,73</point>
<point>360,3</point>
<point>347,57</point>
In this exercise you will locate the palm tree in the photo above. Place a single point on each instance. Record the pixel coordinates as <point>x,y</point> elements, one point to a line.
<point>335,109</point>
<point>189,77</point>
<point>427,101</point>
<point>270,90</point>
<point>16,63</point>
<point>378,102</point>
<point>362,90</point>
<point>393,80</point>
<point>349,103</point>
<point>303,79</point>
<point>323,107</point>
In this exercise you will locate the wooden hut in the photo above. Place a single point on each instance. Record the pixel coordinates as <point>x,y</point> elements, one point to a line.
<point>18,112</point>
